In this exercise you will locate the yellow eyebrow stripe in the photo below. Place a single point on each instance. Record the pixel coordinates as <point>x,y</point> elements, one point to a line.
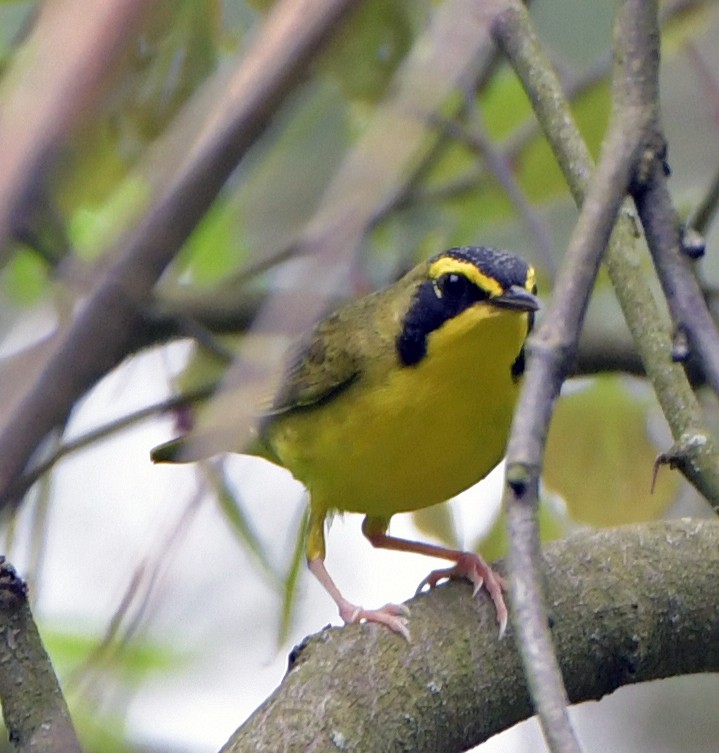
<point>448,265</point>
<point>531,282</point>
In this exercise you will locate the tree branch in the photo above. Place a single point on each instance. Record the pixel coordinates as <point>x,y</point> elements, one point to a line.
<point>627,605</point>
<point>46,95</point>
<point>553,350</point>
<point>627,248</point>
<point>635,101</point>
<point>34,709</point>
<point>100,336</point>
<point>681,287</point>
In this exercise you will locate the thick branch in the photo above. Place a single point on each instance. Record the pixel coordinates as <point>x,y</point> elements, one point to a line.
<point>34,709</point>
<point>627,605</point>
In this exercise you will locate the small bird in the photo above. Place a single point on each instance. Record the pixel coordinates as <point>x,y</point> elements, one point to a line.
<point>401,400</point>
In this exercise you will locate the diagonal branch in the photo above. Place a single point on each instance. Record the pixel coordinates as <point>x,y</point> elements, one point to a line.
<point>552,352</point>
<point>662,229</point>
<point>698,460</point>
<point>34,710</point>
<point>634,108</point>
<point>45,96</point>
<point>628,605</point>
<point>99,337</point>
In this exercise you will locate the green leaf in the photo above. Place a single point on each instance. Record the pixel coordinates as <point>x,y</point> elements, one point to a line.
<point>292,578</point>
<point>505,105</point>
<point>216,247</point>
<point>600,457</point>
<point>24,278</point>
<point>92,229</point>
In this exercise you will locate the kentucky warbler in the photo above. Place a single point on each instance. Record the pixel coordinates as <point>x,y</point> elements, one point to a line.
<point>401,400</point>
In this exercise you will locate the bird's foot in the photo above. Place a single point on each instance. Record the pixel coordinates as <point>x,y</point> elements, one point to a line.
<point>472,567</point>
<point>393,616</point>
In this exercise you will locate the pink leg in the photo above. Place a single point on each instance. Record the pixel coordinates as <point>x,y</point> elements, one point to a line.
<point>392,616</point>
<point>467,565</point>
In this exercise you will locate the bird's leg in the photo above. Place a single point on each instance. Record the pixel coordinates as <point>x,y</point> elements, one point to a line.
<point>392,615</point>
<point>467,565</point>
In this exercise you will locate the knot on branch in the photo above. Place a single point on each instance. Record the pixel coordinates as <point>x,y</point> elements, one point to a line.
<point>692,242</point>
<point>650,163</point>
<point>521,477</point>
<point>681,453</point>
<point>680,345</point>
<point>13,589</point>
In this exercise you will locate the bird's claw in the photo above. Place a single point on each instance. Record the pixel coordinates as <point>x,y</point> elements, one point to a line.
<point>472,567</point>
<point>393,616</point>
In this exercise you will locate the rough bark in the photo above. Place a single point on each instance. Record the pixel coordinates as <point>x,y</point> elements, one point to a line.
<point>627,605</point>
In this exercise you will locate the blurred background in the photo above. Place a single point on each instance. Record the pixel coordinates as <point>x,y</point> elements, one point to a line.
<point>170,596</point>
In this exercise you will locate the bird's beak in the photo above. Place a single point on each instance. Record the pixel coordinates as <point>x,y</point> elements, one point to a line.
<point>517,298</point>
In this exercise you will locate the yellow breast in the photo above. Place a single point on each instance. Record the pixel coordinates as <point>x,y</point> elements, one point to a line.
<point>404,437</point>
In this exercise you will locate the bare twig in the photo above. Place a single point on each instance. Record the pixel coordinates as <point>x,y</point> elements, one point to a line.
<point>681,287</point>
<point>662,229</point>
<point>551,350</point>
<point>135,602</point>
<point>108,429</point>
<point>634,108</point>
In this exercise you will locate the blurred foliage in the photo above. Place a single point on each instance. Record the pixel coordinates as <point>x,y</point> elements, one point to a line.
<point>600,456</point>
<point>554,523</point>
<point>116,670</point>
<point>70,648</point>
<point>366,51</point>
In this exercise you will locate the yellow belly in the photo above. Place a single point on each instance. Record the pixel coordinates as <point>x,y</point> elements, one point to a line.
<point>414,436</point>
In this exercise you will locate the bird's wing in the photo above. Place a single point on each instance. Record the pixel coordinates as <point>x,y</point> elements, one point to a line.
<point>317,368</point>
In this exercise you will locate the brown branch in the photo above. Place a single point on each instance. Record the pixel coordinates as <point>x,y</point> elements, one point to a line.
<point>46,95</point>
<point>29,477</point>
<point>681,288</point>
<point>35,712</point>
<point>99,337</point>
<point>627,605</point>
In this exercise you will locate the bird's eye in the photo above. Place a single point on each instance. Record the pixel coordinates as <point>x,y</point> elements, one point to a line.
<point>457,288</point>
<point>453,285</point>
